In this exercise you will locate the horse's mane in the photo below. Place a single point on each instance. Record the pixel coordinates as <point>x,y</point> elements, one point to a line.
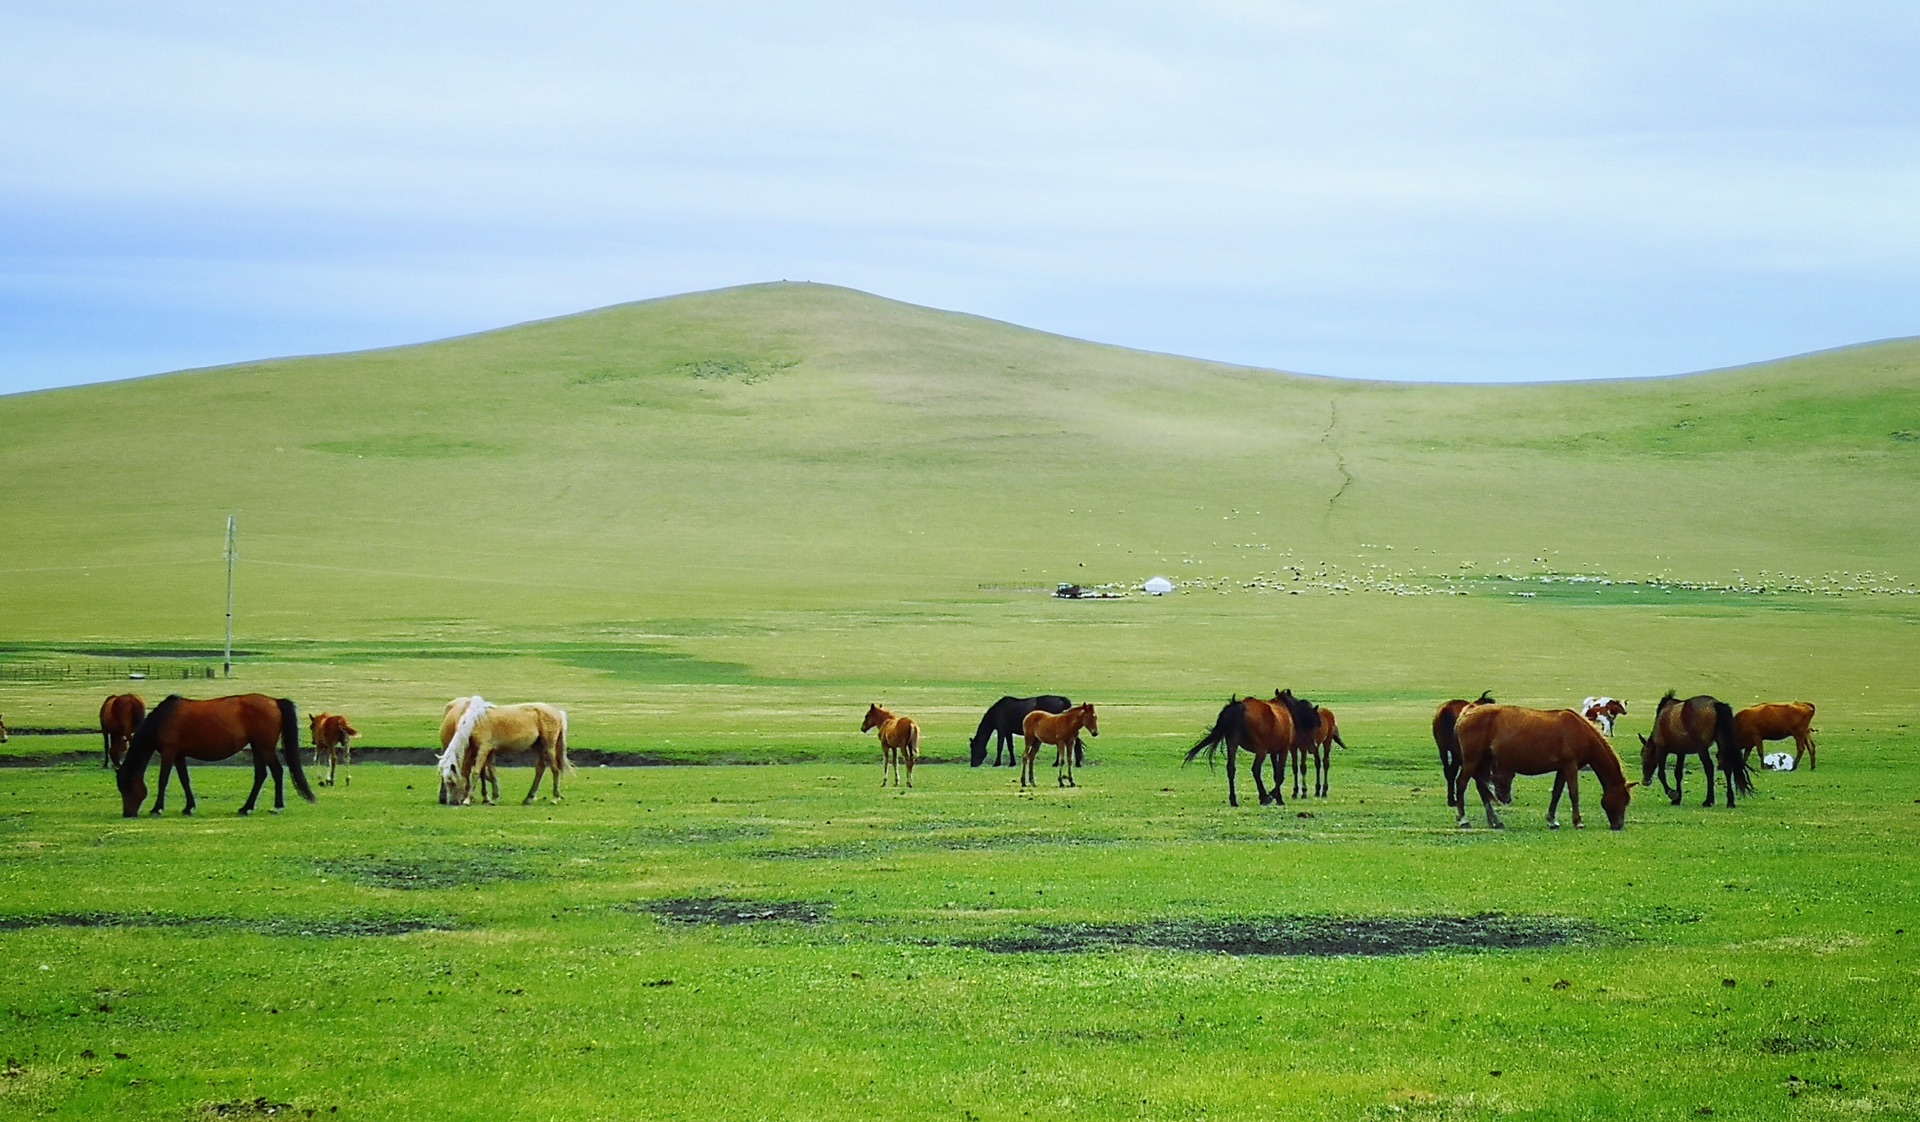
<point>449,763</point>
<point>1486,698</point>
<point>145,741</point>
<point>1666,699</point>
<point>1306,715</point>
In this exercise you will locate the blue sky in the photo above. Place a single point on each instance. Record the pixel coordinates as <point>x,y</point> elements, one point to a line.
<point>1480,191</point>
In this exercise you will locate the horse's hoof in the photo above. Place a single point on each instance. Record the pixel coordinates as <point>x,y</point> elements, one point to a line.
<point>276,810</point>
<point>1496,825</point>
<point>244,811</point>
<point>1553,825</point>
<point>1579,825</point>
<point>1464,824</point>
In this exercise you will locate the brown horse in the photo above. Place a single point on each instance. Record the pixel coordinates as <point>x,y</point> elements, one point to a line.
<point>1523,741</point>
<point>899,742</point>
<point>332,742</point>
<point>1325,736</point>
<point>528,726</point>
<point>180,729</point>
<point>1060,730</point>
<point>1268,729</point>
<point>1444,719</point>
<point>1777,720</point>
<point>120,714</point>
<point>1691,727</point>
<point>3,730</point>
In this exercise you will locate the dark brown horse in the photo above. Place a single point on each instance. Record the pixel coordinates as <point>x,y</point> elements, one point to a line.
<point>1063,732</point>
<point>1691,727</point>
<point>1320,747</point>
<point>1443,722</point>
<point>1268,729</point>
<point>1777,720</point>
<point>179,730</point>
<point>1518,741</point>
<point>120,714</point>
<point>1002,722</point>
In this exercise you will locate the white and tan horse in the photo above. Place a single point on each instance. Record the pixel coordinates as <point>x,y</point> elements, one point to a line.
<point>483,731</point>
<point>899,742</point>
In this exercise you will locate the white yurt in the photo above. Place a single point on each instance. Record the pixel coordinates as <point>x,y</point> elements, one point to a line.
<point>1157,586</point>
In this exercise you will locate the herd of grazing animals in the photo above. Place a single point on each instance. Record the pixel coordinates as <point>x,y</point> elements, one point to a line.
<point>1480,742</point>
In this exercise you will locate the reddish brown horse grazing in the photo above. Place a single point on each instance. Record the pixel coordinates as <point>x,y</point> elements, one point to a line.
<point>899,742</point>
<point>1444,719</point>
<point>120,714</point>
<point>1059,730</point>
<point>179,729</point>
<point>1522,741</point>
<point>1691,727</point>
<point>1268,729</point>
<point>1777,720</point>
<point>332,743</point>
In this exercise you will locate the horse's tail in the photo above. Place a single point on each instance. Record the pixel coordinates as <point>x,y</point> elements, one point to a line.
<point>1732,760</point>
<point>561,763</point>
<point>913,740</point>
<point>1445,736</point>
<point>290,747</point>
<point>1232,718</point>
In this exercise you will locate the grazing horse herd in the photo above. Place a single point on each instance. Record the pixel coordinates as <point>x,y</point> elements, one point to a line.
<point>1480,742</point>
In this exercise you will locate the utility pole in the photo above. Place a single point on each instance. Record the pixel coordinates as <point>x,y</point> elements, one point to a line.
<point>232,556</point>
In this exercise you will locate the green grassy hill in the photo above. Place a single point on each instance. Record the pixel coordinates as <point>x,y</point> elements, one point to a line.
<point>797,485</point>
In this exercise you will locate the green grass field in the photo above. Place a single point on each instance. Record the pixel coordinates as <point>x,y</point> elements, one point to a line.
<point>715,527</point>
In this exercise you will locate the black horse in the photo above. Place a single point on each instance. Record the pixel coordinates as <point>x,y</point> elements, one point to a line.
<point>1003,719</point>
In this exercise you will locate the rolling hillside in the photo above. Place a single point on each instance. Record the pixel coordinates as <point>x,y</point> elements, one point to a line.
<point>800,485</point>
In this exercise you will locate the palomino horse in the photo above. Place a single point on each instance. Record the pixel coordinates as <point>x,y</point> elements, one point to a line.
<point>1444,719</point>
<point>1060,730</point>
<point>1002,720</point>
<point>120,714</point>
<point>1268,729</point>
<point>180,729</point>
<point>332,742</point>
<point>899,742</point>
<point>448,764</point>
<point>1523,741</point>
<point>1777,720</point>
<point>1325,736</point>
<point>1690,727</point>
<point>485,731</point>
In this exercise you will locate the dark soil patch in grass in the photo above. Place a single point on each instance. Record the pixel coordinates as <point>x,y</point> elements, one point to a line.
<point>719,911</point>
<point>347,926</point>
<point>248,1108</point>
<point>449,871</point>
<point>1296,935</point>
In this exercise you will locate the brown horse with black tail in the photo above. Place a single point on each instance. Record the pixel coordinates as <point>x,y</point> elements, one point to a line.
<point>1444,719</point>
<point>180,729</point>
<point>1691,727</point>
<point>120,715</point>
<point>1268,729</point>
<point>1325,736</point>
<point>1519,741</point>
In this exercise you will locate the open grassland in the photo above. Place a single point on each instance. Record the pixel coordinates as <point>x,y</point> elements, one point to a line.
<point>792,942</point>
<point>714,528</point>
